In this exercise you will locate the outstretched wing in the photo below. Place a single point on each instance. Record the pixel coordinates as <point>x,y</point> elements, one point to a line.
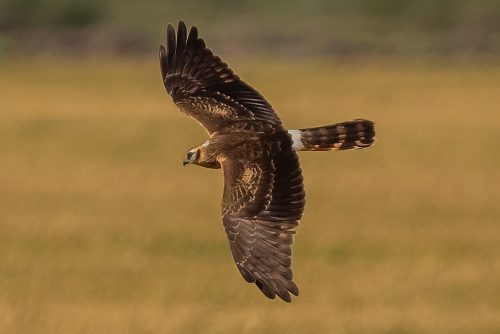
<point>204,87</point>
<point>263,201</point>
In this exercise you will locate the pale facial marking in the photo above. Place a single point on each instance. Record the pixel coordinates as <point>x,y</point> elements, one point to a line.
<point>191,155</point>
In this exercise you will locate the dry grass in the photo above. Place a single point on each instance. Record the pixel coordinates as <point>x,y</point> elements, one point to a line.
<point>103,231</point>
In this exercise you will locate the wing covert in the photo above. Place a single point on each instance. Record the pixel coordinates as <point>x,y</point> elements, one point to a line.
<point>204,87</point>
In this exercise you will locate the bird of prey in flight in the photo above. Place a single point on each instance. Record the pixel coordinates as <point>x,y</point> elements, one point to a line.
<point>264,197</point>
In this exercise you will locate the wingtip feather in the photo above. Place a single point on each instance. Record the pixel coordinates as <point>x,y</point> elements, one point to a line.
<point>163,61</point>
<point>181,35</point>
<point>266,289</point>
<point>170,41</point>
<point>282,292</point>
<point>181,25</point>
<point>292,287</point>
<point>193,36</point>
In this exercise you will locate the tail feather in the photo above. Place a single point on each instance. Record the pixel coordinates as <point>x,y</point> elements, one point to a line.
<point>359,133</point>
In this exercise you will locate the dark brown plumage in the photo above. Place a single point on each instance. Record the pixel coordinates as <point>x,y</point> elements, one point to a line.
<point>264,196</point>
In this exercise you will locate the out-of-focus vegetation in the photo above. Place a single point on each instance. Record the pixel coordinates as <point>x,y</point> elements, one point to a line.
<point>296,27</point>
<point>103,231</point>
<point>49,14</point>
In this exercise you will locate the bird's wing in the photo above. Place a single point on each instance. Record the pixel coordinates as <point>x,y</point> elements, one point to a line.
<point>263,201</point>
<point>204,87</point>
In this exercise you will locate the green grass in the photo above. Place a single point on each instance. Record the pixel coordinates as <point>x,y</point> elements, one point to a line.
<point>102,230</point>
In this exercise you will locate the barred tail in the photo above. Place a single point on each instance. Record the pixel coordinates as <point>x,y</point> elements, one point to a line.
<point>359,133</point>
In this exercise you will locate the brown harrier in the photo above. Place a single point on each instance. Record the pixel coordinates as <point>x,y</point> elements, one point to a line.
<point>263,196</point>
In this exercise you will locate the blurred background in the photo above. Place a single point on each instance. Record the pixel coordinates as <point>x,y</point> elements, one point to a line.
<point>298,28</point>
<point>103,231</point>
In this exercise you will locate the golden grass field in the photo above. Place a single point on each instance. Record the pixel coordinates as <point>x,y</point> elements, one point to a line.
<point>103,231</point>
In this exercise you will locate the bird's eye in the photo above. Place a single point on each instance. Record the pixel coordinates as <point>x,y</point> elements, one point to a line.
<point>189,155</point>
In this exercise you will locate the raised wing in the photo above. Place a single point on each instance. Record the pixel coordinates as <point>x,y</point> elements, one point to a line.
<point>263,201</point>
<point>204,87</point>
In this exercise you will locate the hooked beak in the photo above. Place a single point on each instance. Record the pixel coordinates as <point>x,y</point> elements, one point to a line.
<point>185,162</point>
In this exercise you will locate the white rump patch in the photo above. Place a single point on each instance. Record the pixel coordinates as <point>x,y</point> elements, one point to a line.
<point>296,138</point>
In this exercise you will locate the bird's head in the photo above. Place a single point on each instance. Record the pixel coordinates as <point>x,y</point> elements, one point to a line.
<point>192,156</point>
